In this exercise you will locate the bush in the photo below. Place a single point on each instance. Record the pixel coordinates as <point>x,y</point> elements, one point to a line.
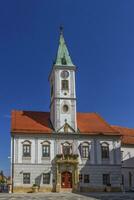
<point>35,185</point>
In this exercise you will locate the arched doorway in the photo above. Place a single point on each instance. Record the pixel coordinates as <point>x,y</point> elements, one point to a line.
<point>66,179</point>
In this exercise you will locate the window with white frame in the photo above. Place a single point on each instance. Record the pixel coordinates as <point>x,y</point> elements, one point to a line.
<point>105,150</point>
<point>106,179</point>
<point>26,148</point>
<point>85,150</point>
<point>46,149</point>
<point>26,178</point>
<point>65,84</point>
<point>46,178</point>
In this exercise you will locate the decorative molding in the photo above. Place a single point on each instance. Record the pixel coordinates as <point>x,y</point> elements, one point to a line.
<point>26,141</point>
<point>104,143</point>
<point>46,142</point>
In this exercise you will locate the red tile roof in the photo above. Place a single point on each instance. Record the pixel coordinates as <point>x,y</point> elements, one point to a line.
<point>94,123</point>
<point>38,122</point>
<point>127,134</point>
<point>30,122</point>
<point>88,123</point>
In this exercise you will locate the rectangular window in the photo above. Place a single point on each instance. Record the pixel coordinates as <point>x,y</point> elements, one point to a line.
<point>80,178</point>
<point>85,152</point>
<point>45,150</point>
<point>67,150</point>
<point>46,178</point>
<point>106,179</point>
<point>130,179</point>
<point>122,155</point>
<point>26,150</point>
<point>105,152</point>
<point>26,178</point>
<point>86,178</point>
<point>65,85</point>
<point>122,179</point>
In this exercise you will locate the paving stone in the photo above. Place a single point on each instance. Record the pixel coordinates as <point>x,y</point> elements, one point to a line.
<point>68,196</point>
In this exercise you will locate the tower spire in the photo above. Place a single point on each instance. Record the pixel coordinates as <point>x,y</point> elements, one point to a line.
<point>63,57</point>
<point>61,30</point>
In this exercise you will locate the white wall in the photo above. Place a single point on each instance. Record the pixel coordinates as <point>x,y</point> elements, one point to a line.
<point>59,99</point>
<point>128,165</point>
<point>94,167</point>
<point>36,149</point>
<point>128,155</point>
<point>55,148</point>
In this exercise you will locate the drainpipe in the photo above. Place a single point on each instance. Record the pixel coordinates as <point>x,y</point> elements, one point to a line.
<point>12,162</point>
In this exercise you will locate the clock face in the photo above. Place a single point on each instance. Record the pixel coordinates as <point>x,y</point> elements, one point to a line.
<point>64,74</point>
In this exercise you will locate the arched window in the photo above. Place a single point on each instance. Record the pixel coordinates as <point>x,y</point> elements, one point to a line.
<point>45,149</point>
<point>65,108</point>
<point>66,148</point>
<point>104,150</point>
<point>85,150</point>
<point>26,148</point>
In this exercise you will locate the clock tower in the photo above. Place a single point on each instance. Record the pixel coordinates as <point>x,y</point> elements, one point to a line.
<point>63,95</point>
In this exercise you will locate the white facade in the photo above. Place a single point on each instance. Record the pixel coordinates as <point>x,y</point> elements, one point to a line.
<point>95,167</point>
<point>88,162</point>
<point>56,148</point>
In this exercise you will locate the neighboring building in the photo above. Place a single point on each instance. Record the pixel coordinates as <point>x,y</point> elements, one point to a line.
<point>4,182</point>
<point>3,178</point>
<point>127,157</point>
<point>65,150</point>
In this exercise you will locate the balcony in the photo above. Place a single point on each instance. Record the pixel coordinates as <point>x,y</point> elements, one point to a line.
<point>68,158</point>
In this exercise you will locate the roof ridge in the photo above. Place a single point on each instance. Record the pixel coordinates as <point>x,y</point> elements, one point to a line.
<point>86,113</point>
<point>106,123</point>
<point>117,126</point>
<point>30,111</point>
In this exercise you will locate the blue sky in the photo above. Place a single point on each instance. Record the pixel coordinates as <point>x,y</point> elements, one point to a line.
<point>100,38</point>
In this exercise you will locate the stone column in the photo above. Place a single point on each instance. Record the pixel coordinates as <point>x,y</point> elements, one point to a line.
<point>58,181</point>
<point>76,178</point>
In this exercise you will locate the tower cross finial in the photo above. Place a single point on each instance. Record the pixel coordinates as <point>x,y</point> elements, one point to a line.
<point>61,29</point>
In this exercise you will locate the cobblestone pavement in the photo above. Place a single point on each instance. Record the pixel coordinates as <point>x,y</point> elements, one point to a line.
<point>68,196</point>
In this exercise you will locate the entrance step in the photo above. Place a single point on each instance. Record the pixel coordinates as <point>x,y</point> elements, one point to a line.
<point>66,190</point>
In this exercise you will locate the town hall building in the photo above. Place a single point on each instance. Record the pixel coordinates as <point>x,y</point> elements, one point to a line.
<point>64,150</point>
